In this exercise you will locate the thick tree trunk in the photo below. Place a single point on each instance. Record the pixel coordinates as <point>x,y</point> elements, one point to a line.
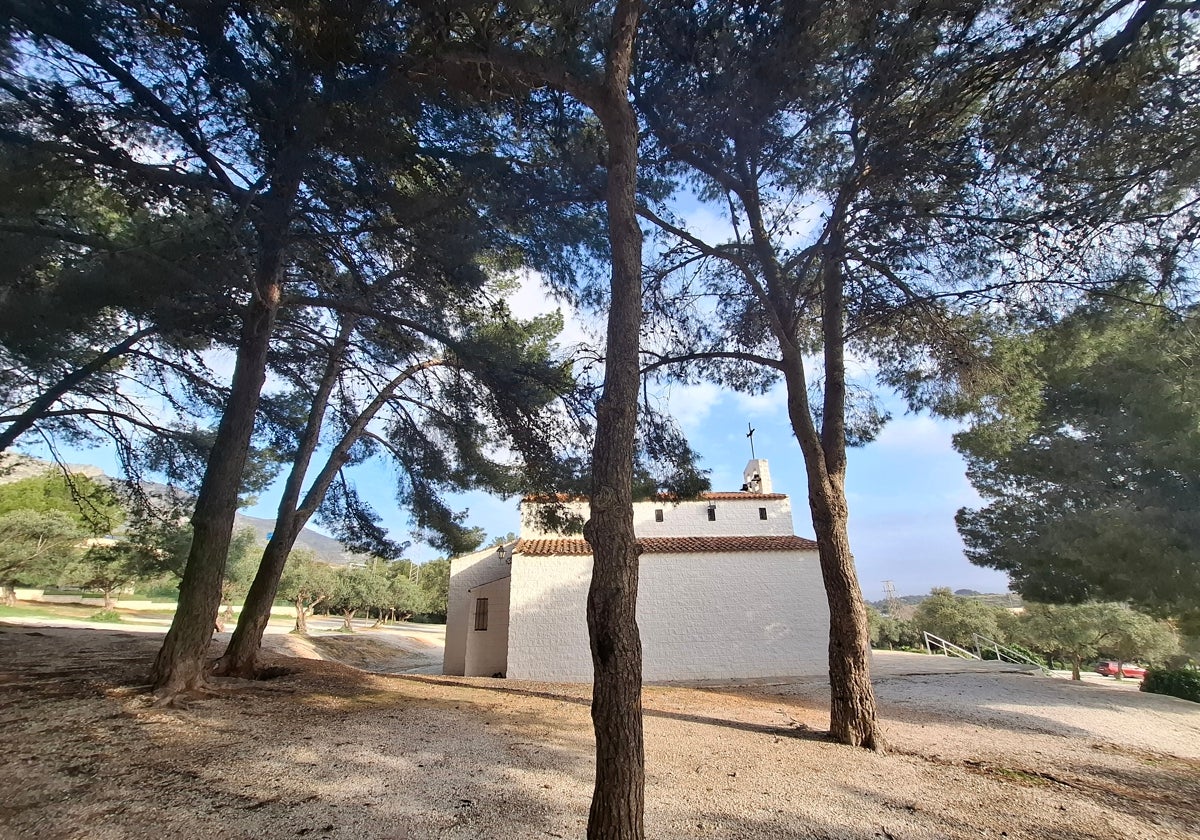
<point>9,595</point>
<point>241,656</point>
<point>852,707</point>
<point>301,618</point>
<point>852,714</point>
<point>618,798</point>
<point>180,665</point>
<point>1075,664</point>
<point>109,600</point>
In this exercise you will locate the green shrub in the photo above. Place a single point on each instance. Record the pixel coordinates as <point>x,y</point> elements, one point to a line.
<point>105,615</point>
<point>1180,682</point>
<point>158,590</point>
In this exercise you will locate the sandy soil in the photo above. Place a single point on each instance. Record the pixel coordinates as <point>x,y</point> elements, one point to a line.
<point>327,751</point>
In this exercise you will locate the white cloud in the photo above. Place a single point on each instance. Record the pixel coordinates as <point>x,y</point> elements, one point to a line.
<point>859,368</point>
<point>533,298</point>
<point>769,404</point>
<point>918,434</point>
<point>691,405</point>
<point>708,224</point>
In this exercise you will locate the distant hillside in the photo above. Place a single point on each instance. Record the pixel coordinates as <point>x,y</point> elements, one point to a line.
<point>327,549</point>
<point>995,599</point>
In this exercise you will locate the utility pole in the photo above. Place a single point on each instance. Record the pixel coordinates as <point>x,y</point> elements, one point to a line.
<point>889,594</point>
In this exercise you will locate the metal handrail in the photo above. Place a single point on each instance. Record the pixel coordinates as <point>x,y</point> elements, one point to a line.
<point>1007,654</point>
<point>947,648</point>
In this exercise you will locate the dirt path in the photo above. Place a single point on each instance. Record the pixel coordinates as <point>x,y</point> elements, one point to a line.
<point>327,751</point>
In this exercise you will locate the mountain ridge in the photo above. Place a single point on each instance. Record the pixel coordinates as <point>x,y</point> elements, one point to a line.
<point>15,467</point>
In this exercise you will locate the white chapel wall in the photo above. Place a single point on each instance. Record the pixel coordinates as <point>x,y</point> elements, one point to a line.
<point>734,518</point>
<point>547,635</point>
<point>465,572</point>
<point>702,616</point>
<point>487,648</point>
<point>724,616</point>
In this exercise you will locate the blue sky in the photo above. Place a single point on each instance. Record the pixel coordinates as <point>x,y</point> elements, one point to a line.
<point>903,489</point>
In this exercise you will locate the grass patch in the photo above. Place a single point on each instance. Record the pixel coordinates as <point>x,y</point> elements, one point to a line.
<point>110,616</point>
<point>32,610</point>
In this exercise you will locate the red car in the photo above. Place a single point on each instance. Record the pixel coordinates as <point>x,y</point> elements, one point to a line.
<point>1108,668</point>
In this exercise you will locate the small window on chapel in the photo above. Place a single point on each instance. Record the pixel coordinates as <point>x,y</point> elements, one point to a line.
<point>481,611</point>
<point>712,513</point>
<point>658,515</point>
<point>762,513</point>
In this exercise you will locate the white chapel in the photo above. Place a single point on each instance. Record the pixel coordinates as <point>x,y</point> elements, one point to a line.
<point>726,590</point>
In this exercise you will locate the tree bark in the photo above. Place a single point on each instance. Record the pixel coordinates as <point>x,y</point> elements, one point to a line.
<point>852,708</point>
<point>241,656</point>
<point>618,797</point>
<point>180,665</point>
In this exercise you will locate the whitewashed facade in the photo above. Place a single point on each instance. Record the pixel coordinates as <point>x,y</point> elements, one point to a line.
<point>726,590</point>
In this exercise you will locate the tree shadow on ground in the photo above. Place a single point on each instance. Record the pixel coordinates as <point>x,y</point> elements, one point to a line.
<point>790,730</point>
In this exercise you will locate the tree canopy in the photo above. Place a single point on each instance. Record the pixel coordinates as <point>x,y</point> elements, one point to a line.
<point>331,191</point>
<point>1088,466</point>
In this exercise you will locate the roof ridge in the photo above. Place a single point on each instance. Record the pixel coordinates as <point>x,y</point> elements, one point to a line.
<point>577,546</point>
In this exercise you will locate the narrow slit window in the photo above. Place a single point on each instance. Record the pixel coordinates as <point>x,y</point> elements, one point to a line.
<point>712,513</point>
<point>762,513</point>
<point>658,515</point>
<point>481,613</point>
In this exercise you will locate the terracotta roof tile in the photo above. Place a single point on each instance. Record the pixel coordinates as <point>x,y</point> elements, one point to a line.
<point>734,496</point>
<point>723,495</point>
<point>575,547</point>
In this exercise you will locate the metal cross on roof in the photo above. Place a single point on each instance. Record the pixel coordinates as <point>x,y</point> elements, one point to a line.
<point>750,435</point>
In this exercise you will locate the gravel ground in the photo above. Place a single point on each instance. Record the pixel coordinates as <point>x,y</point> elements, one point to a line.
<point>327,751</point>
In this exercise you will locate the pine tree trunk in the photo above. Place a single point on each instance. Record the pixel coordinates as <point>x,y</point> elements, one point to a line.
<point>852,708</point>
<point>618,798</point>
<point>241,656</point>
<point>181,662</point>
<point>180,665</point>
